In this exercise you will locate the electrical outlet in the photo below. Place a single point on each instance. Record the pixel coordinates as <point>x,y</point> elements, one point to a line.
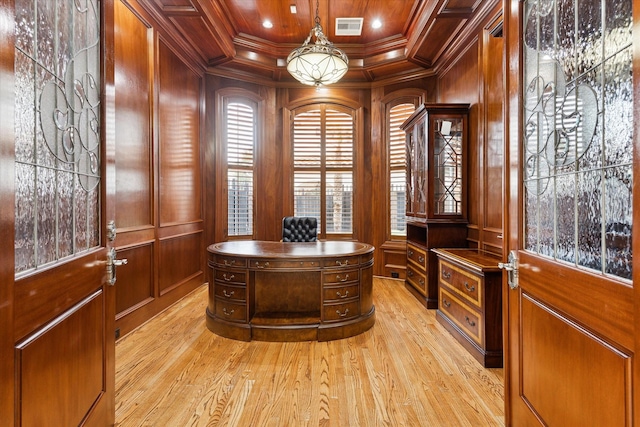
<point>117,333</point>
<point>395,274</point>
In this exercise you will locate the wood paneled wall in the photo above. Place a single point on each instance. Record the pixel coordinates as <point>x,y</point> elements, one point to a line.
<point>159,212</point>
<point>475,76</point>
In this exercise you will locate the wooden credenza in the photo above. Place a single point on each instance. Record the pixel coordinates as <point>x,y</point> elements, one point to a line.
<point>470,302</point>
<point>281,291</point>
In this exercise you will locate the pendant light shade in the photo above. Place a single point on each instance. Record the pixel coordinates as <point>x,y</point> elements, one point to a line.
<point>320,63</point>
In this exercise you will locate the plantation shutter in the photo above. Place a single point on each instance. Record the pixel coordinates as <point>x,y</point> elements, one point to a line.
<point>323,168</point>
<point>397,168</point>
<point>240,137</point>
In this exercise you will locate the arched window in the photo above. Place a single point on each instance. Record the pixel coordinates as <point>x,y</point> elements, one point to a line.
<point>323,163</point>
<point>240,137</point>
<point>397,167</point>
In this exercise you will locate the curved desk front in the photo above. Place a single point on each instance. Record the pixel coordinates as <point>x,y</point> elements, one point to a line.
<point>277,291</point>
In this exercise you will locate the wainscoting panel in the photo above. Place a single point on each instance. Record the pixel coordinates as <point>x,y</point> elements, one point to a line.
<point>180,261</point>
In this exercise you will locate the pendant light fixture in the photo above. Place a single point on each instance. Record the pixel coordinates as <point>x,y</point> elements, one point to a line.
<point>320,63</point>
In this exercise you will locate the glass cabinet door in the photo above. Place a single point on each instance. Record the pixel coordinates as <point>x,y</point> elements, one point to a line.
<point>447,165</point>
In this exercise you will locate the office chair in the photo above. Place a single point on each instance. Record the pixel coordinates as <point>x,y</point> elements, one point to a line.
<point>299,229</point>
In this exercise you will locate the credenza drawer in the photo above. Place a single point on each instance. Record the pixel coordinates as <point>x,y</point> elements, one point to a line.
<point>231,276</point>
<point>461,282</point>
<point>337,312</point>
<point>462,315</point>
<point>230,311</point>
<point>417,256</point>
<point>339,293</point>
<point>340,276</point>
<point>231,293</point>
<point>417,278</point>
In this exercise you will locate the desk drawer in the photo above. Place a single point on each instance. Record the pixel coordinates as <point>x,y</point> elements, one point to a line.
<point>282,264</point>
<point>230,293</point>
<point>338,312</point>
<point>462,315</point>
<point>231,276</point>
<point>339,293</point>
<point>230,311</point>
<point>417,256</point>
<point>230,261</point>
<point>341,262</point>
<point>417,279</point>
<point>340,276</point>
<point>461,282</point>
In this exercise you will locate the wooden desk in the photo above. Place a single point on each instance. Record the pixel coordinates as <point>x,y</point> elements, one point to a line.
<point>276,291</point>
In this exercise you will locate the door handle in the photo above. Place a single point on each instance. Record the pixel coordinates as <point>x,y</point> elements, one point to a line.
<point>512,269</point>
<point>112,263</point>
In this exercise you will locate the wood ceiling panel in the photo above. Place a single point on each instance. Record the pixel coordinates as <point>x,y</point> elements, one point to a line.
<point>176,6</point>
<point>415,33</point>
<point>437,39</point>
<point>199,35</point>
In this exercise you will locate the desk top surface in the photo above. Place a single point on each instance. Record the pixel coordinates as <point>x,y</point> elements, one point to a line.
<point>270,249</point>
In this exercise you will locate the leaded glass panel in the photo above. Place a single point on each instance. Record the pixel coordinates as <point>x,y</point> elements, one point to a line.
<point>578,141</point>
<point>57,130</point>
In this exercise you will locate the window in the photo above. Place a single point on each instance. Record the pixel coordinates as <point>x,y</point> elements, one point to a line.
<point>323,168</point>
<point>397,168</point>
<point>240,125</point>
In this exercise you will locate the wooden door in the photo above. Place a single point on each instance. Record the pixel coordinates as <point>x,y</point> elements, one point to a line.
<point>570,321</point>
<point>57,199</point>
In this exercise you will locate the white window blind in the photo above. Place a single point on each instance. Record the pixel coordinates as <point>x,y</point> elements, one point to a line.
<point>397,168</point>
<point>240,141</point>
<point>323,168</point>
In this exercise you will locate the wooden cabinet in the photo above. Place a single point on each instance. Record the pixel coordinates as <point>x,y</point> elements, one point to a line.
<point>436,136</point>
<point>470,301</point>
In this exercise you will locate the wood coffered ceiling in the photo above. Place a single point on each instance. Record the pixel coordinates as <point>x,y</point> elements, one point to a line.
<point>227,36</point>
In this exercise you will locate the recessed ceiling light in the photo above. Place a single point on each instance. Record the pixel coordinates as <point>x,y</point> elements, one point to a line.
<point>293,9</point>
<point>267,24</point>
<point>376,23</point>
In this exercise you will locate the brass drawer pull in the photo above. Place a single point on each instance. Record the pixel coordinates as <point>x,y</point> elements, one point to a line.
<point>228,264</point>
<point>346,294</point>
<point>420,258</point>
<point>446,303</point>
<point>421,281</point>
<point>228,313</point>
<point>228,295</point>
<point>410,273</point>
<point>340,263</point>
<point>469,288</point>
<point>342,314</point>
<point>446,274</point>
<point>410,253</point>
<point>469,321</point>
<point>342,279</point>
<point>228,278</point>
<point>264,265</point>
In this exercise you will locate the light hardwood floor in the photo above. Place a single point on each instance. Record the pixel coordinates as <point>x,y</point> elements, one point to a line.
<point>406,371</point>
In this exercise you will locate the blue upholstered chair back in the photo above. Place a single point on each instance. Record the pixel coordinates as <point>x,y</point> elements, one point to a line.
<point>299,229</point>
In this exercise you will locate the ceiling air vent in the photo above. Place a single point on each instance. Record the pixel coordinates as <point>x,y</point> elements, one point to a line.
<point>349,26</point>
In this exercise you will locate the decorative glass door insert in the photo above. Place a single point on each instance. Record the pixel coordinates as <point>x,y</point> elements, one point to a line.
<point>57,128</point>
<point>578,133</point>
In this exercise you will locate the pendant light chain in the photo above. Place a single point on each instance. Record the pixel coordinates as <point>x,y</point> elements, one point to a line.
<point>317,20</point>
